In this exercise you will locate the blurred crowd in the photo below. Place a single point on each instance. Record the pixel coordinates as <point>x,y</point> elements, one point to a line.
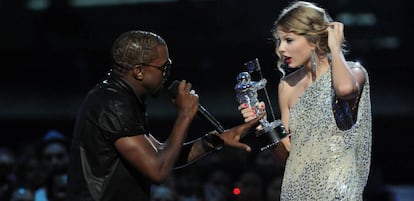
<point>38,172</point>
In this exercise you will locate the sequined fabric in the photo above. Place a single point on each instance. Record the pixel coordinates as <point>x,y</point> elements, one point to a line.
<point>325,162</point>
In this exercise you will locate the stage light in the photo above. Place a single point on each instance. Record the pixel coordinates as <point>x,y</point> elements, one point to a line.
<point>236,191</point>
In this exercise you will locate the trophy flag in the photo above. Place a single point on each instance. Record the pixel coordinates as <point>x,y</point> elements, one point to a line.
<point>252,65</point>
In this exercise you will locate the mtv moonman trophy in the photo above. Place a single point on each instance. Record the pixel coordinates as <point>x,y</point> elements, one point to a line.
<point>247,92</point>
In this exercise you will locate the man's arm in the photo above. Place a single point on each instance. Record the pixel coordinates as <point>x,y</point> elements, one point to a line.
<point>157,164</point>
<point>212,141</point>
<point>153,163</point>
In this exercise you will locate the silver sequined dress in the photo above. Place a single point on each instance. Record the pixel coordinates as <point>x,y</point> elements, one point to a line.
<point>326,163</point>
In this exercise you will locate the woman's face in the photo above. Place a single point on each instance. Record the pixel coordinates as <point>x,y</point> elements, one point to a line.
<point>294,49</point>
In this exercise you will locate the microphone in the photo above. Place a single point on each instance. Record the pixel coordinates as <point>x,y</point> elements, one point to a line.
<point>202,112</point>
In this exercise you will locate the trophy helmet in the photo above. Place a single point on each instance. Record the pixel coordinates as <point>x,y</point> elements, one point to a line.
<point>243,77</point>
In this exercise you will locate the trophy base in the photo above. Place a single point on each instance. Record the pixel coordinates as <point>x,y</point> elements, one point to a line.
<point>271,134</point>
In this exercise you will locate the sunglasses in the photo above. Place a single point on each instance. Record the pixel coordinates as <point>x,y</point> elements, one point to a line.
<point>165,68</point>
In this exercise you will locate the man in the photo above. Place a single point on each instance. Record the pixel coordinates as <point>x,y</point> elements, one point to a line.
<point>113,155</point>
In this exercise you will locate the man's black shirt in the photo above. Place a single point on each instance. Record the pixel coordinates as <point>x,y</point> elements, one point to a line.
<point>110,111</point>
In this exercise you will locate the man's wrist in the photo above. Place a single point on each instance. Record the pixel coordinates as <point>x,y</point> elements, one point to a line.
<point>212,141</point>
<point>259,128</point>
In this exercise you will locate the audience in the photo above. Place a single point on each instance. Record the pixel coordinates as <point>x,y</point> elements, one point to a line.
<point>56,186</point>
<point>163,193</point>
<point>7,165</point>
<point>250,184</point>
<point>22,193</point>
<point>53,156</point>
<point>38,172</point>
<point>29,171</point>
<point>217,186</point>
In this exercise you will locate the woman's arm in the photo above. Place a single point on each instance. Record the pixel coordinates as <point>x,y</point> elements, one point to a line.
<point>282,150</point>
<point>347,82</point>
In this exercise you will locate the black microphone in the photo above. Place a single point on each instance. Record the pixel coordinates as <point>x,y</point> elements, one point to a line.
<point>202,112</point>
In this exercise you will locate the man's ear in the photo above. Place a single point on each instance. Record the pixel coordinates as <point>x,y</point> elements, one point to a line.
<point>137,72</point>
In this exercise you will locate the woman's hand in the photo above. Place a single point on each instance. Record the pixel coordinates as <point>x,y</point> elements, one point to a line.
<point>335,36</point>
<point>250,113</point>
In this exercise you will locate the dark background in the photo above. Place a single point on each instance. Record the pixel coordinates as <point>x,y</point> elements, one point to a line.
<point>51,57</point>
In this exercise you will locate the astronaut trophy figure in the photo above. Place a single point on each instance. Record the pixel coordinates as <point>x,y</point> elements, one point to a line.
<point>246,92</point>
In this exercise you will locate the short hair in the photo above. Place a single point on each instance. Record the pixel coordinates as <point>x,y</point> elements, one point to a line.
<point>133,48</point>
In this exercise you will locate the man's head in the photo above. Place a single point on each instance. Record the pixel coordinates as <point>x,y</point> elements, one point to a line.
<point>142,56</point>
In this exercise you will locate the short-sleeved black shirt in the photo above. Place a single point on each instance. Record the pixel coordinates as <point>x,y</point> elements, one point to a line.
<point>110,111</point>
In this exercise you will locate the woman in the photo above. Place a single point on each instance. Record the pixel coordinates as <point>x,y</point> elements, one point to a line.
<point>325,106</point>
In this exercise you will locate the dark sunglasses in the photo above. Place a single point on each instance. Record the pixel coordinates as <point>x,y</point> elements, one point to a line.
<point>165,68</point>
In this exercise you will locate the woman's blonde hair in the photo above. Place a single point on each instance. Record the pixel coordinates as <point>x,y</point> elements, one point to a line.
<point>305,19</point>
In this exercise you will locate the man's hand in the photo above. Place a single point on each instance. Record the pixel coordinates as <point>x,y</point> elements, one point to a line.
<point>186,100</point>
<point>231,137</point>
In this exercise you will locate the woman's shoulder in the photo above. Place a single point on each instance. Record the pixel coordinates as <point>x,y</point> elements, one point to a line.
<point>358,70</point>
<point>355,64</point>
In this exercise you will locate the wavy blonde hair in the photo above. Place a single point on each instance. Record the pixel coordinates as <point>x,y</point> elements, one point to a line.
<point>306,19</point>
